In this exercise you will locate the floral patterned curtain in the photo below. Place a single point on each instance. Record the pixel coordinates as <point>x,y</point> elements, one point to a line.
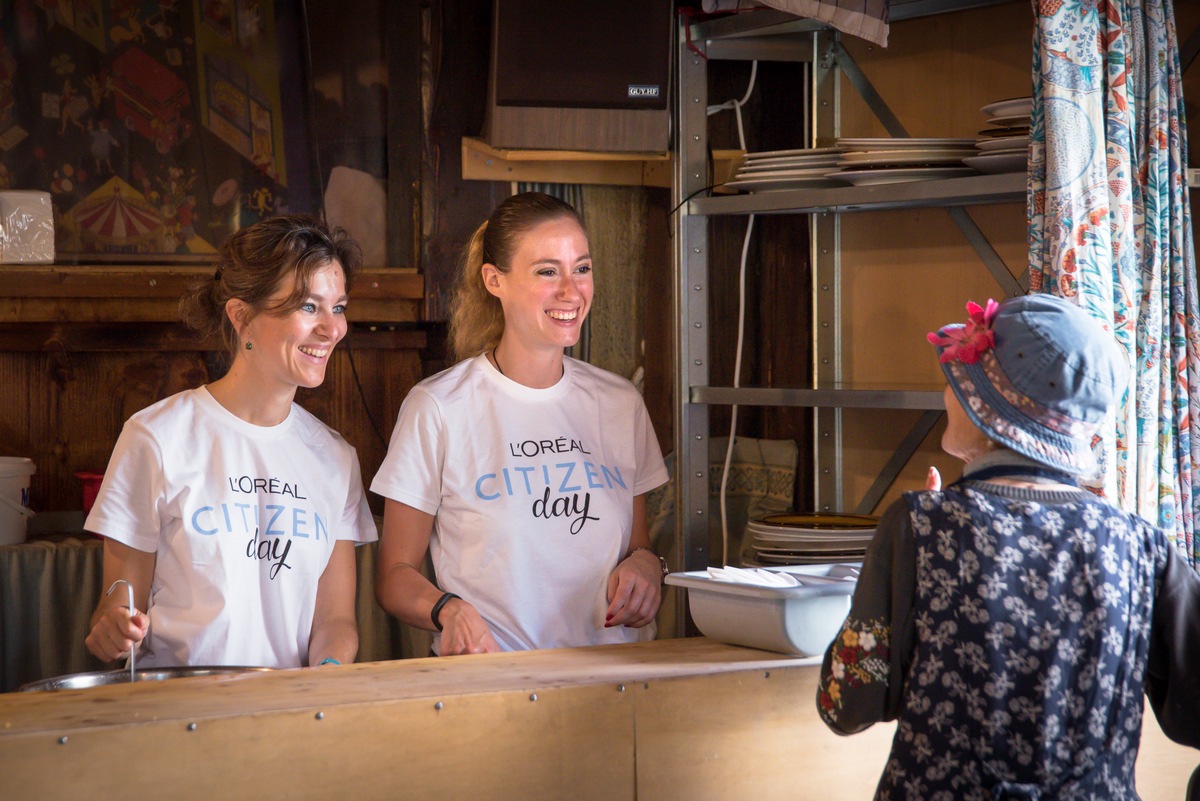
<point>1110,227</point>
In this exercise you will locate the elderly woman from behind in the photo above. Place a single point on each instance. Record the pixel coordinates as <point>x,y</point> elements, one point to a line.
<point>1012,621</point>
<point>231,511</point>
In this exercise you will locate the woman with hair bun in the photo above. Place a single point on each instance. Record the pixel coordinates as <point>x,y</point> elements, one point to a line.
<point>521,472</point>
<point>232,512</point>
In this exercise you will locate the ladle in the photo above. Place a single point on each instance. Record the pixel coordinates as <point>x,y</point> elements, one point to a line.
<point>132,611</point>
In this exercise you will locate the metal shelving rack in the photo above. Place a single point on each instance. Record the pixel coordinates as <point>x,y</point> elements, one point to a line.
<point>776,36</point>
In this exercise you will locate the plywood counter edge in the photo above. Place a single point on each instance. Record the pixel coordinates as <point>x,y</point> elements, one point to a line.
<point>209,697</point>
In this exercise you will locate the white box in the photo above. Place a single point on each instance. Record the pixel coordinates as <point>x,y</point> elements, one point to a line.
<point>26,227</point>
<point>792,620</point>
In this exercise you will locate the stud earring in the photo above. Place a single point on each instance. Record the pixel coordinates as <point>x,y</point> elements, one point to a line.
<point>249,346</point>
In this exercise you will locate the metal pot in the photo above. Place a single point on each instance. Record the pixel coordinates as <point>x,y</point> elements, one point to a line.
<point>82,681</point>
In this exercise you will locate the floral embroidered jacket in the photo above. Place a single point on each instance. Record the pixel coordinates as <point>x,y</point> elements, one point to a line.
<point>1012,633</point>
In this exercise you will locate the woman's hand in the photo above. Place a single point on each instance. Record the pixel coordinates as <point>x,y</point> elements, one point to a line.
<point>115,631</point>
<point>464,630</point>
<point>634,590</point>
<point>933,479</point>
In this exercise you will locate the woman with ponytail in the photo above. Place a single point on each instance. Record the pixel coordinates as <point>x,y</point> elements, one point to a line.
<point>230,511</point>
<point>522,473</point>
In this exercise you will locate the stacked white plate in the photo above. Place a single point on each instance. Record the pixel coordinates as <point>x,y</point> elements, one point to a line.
<point>1004,146</point>
<point>806,539</point>
<point>786,169</point>
<point>867,162</point>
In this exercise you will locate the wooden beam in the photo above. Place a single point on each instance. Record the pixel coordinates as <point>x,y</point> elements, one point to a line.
<point>50,337</point>
<point>404,51</point>
<point>168,281</point>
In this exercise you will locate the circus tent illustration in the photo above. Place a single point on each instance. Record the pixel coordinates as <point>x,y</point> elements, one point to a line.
<point>117,216</point>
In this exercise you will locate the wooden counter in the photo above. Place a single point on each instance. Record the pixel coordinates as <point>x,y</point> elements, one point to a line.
<point>674,719</point>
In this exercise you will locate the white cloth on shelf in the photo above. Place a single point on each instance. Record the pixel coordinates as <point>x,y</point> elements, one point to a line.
<point>754,575</point>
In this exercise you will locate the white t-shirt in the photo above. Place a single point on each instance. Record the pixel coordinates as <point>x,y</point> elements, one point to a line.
<point>242,520</point>
<point>532,491</point>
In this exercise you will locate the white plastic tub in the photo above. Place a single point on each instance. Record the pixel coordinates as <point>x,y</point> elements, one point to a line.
<point>792,620</point>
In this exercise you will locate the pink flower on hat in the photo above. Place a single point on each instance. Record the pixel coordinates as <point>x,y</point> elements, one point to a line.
<point>968,342</point>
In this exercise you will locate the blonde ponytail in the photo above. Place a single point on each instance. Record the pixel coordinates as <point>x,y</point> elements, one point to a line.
<point>476,317</point>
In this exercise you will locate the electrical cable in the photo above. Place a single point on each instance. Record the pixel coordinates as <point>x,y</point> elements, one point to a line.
<point>310,94</point>
<point>736,105</point>
<point>737,374</point>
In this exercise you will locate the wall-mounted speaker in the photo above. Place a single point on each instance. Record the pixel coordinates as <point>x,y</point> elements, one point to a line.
<point>580,75</point>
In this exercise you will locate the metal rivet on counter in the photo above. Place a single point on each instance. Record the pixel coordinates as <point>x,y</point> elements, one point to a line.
<point>438,705</point>
<point>62,740</point>
<point>646,686</point>
<point>620,688</point>
<point>533,696</point>
<point>766,674</point>
<point>320,716</point>
<point>191,727</point>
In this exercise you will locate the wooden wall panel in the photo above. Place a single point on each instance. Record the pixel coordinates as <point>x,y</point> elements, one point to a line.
<point>65,410</point>
<point>904,273</point>
<point>455,86</point>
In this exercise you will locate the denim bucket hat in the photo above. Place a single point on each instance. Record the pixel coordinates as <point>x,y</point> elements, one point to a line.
<point>1037,374</point>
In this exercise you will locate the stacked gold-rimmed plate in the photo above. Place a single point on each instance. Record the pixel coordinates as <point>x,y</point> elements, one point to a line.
<point>1003,147</point>
<point>775,170</point>
<point>872,161</point>
<point>806,539</point>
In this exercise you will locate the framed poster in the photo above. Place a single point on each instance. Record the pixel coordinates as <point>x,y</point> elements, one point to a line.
<point>157,126</point>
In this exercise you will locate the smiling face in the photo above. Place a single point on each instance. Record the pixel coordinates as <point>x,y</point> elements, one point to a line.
<point>292,349</point>
<point>547,292</point>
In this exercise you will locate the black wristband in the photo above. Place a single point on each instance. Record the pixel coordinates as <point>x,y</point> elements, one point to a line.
<point>437,608</point>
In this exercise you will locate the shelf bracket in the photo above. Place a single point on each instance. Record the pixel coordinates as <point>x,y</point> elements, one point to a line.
<point>987,254</point>
<point>858,79</point>
<point>891,470</point>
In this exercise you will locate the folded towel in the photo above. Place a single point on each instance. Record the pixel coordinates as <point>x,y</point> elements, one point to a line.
<point>757,576</point>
